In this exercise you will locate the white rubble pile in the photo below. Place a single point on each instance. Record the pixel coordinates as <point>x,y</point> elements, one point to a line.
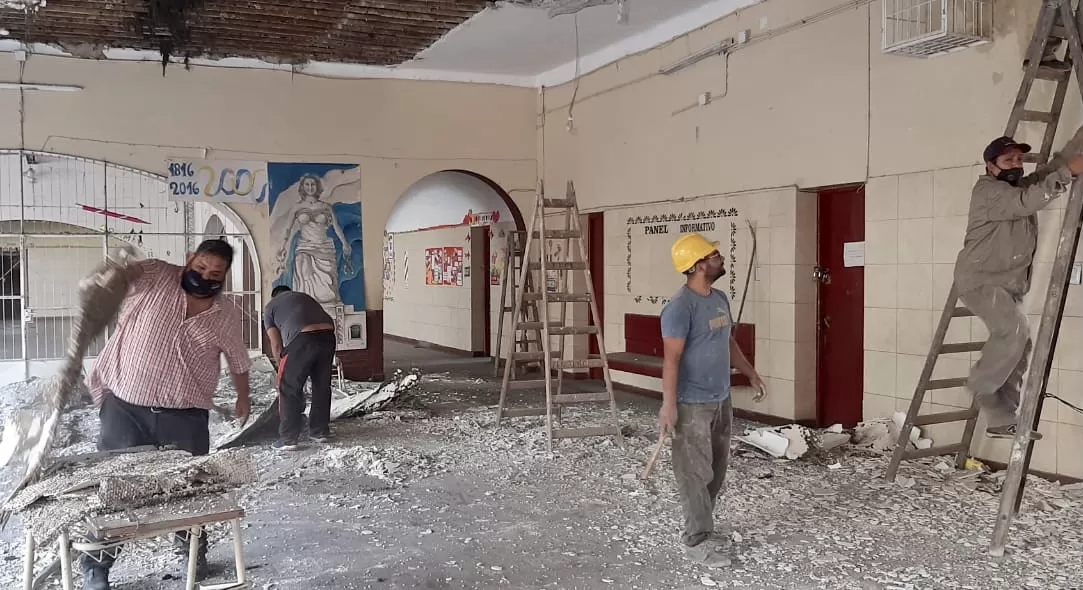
<point>881,435</point>
<point>794,441</point>
<point>793,524</point>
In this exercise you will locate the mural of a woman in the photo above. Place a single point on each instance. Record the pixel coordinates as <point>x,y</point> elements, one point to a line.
<point>315,248</point>
<point>315,258</point>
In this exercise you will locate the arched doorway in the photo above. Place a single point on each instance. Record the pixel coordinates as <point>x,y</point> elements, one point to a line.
<point>59,215</point>
<point>444,256</point>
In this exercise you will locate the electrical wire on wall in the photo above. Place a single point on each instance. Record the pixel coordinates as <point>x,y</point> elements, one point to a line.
<point>753,40</point>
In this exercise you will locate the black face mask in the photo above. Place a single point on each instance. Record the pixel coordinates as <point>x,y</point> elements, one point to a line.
<point>195,285</point>
<point>1011,176</point>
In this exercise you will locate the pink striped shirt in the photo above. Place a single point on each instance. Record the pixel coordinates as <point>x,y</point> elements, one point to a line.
<point>156,357</point>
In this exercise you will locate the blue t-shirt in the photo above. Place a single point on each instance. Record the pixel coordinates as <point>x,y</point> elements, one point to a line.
<point>704,323</point>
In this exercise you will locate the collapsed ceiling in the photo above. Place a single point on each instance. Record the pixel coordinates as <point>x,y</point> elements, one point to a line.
<point>371,32</point>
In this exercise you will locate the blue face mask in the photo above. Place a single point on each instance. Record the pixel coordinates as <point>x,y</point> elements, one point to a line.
<point>195,285</point>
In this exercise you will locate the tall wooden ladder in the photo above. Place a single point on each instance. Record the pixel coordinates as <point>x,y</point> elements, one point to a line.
<point>524,340</point>
<point>539,238</point>
<point>1057,21</point>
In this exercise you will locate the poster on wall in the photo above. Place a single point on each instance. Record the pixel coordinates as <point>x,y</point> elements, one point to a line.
<point>389,266</point>
<point>554,282</point>
<point>218,181</point>
<point>315,217</point>
<point>444,266</point>
<point>496,266</point>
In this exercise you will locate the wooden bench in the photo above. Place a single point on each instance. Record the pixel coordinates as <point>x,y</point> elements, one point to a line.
<point>643,350</point>
<point>119,529</point>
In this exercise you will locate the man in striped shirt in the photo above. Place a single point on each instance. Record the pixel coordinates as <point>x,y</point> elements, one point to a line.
<point>155,380</point>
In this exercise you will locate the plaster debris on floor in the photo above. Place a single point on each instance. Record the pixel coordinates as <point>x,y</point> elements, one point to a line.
<point>435,494</point>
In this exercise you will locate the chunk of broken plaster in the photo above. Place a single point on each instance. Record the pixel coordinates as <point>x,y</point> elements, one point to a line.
<point>767,441</point>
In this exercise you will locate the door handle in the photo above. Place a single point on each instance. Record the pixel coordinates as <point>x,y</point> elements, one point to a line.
<point>821,274</point>
<point>827,322</point>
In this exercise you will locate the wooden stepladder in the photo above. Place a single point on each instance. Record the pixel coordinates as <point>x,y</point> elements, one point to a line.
<point>1057,22</point>
<point>525,340</point>
<point>540,255</point>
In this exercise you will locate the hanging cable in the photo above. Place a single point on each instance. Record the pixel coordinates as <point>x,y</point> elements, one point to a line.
<point>1063,401</point>
<point>575,91</point>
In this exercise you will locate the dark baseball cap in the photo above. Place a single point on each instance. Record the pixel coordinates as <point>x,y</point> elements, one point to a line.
<point>998,146</point>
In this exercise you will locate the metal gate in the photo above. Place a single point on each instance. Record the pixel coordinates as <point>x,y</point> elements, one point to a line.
<point>60,215</point>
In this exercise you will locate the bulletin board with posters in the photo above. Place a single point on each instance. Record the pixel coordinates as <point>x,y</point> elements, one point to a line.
<point>444,266</point>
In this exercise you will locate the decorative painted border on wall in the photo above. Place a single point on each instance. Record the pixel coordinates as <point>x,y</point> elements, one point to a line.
<point>692,227</point>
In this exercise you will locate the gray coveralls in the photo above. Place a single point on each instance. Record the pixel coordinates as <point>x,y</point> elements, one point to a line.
<point>992,274</point>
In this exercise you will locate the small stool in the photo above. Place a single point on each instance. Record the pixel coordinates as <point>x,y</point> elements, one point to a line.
<point>117,530</point>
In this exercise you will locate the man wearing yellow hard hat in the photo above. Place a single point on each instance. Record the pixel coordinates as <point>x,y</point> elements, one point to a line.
<point>696,406</point>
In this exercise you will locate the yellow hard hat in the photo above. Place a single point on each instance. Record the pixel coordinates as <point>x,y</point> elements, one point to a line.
<point>690,249</point>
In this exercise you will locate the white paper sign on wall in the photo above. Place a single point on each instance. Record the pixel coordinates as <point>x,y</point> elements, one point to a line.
<point>218,181</point>
<point>853,254</point>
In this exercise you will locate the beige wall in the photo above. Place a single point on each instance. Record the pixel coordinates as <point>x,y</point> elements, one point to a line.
<point>441,314</point>
<point>816,106</point>
<point>399,131</point>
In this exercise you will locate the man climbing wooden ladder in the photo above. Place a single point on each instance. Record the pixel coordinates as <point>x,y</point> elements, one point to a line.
<point>1002,372</point>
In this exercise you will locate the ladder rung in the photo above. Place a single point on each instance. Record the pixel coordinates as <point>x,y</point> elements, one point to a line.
<point>933,451</point>
<point>946,383</point>
<point>961,312</point>
<point>578,364</point>
<point>961,347</point>
<point>1034,158</point>
<point>559,297</point>
<point>533,356</point>
<point>560,265</point>
<point>558,203</point>
<point>519,412</point>
<point>556,329</point>
<point>537,326</point>
<point>559,234</point>
<point>570,330</point>
<point>1039,116</point>
<point>526,384</point>
<point>944,417</point>
<point>1058,32</point>
<point>584,432</point>
<point>576,398</point>
<point>1046,73</point>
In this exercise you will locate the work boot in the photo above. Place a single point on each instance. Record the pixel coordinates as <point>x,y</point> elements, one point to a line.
<point>706,553</point>
<point>1005,431</point>
<point>1049,58</point>
<point>284,445</point>
<point>95,576</point>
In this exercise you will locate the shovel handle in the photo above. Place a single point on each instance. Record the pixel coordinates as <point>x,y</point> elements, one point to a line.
<point>654,456</point>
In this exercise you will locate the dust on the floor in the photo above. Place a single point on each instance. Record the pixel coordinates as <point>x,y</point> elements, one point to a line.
<point>442,497</point>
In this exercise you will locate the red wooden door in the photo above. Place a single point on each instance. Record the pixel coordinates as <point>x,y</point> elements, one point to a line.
<point>841,328</point>
<point>596,260</point>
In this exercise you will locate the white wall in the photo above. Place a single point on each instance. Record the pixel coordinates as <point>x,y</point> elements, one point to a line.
<point>443,199</point>
<point>438,314</point>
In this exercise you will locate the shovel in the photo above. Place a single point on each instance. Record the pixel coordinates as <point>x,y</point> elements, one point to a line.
<point>28,434</point>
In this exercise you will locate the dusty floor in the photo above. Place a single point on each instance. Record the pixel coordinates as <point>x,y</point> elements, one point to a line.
<point>441,497</point>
